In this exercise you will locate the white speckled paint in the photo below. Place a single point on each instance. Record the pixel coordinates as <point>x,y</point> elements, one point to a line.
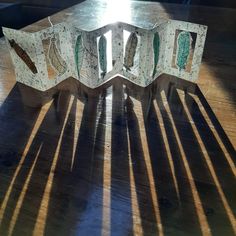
<point>140,74</point>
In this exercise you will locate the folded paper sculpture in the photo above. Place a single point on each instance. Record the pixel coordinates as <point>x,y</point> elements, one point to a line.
<point>45,58</point>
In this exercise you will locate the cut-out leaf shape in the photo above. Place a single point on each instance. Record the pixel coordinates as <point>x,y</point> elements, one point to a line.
<point>156,51</point>
<point>23,55</point>
<point>130,50</point>
<point>79,53</point>
<point>102,48</point>
<point>183,49</point>
<point>57,62</point>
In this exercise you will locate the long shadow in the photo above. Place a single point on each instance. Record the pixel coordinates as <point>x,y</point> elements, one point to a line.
<point>17,122</point>
<point>207,191</point>
<point>60,184</point>
<point>46,142</point>
<point>57,213</point>
<point>121,211</point>
<point>174,214</point>
<point>97,205</point>
<point>142,183</point>
<point>216,154</point>
<point>184,220</point>
<point>224,138</point>
<point>194,89</point>
<point>77,189</point>
<point>53,181</point>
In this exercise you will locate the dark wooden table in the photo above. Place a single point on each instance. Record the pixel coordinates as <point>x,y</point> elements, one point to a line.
<point>123,160</point>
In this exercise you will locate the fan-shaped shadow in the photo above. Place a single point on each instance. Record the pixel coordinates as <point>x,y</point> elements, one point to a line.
<point>120,160</point>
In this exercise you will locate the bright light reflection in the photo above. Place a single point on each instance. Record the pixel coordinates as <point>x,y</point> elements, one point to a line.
<point>117,10</point>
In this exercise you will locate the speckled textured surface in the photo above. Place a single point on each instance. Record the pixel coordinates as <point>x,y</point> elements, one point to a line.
<point>54,51</point>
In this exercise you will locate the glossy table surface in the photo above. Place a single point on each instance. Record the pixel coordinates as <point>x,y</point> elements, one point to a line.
<point>123,160</point>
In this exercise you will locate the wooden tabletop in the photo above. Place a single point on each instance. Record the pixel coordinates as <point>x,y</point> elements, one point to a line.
<point>123,160</point>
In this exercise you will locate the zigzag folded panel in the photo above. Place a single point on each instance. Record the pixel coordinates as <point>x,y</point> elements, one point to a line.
<point>47,57</point>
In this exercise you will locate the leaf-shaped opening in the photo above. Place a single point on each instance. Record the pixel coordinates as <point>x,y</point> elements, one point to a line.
<point>131,52</point>
<point>104,47</point>
<point>183,50</point>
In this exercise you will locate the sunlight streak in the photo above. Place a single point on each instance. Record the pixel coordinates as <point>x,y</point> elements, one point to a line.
<point>137,227</point>
<point>106,212</point>
<point>78,117</point>
<point>210,166</point>
<point>147,158</point>
<point>197,201</point>
<point>167,147</point>
<point>43,210</point>
<point>22,194</point>
<point>216,135</point>
<point>37,124</point>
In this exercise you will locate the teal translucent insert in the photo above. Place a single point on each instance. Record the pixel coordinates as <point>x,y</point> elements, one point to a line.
<point>79,53</point>
<point>183,49</point>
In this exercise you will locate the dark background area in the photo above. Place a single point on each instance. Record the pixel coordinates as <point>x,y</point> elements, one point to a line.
<point>19,13</point>
<point>60,4</point>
